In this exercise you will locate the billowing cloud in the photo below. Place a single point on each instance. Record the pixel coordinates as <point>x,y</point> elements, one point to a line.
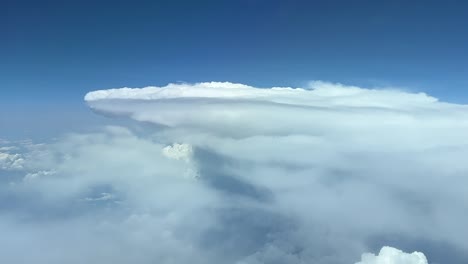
<point>389,255</point>
<point>178,151</point>
<point>229,173</point>
<point>10,161</point>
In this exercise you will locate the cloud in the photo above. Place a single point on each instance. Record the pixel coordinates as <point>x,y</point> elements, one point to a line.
<point>178,151</point>
<point>8,148</point>
<point>389,255</point>
<point>102,197</point>
<point>317,94</point>
<point>31,176</point>
<point>328,147</point>
<point>229,173</point>
<point>11,161</point>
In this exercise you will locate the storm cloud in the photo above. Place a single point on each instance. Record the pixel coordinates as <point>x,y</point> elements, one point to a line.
<point>229,173</point>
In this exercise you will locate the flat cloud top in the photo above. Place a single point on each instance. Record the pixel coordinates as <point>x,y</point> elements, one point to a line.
<point>317,94</point>
<point>239,110</point>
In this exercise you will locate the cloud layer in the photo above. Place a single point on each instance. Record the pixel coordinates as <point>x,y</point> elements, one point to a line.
<point>228,173</point>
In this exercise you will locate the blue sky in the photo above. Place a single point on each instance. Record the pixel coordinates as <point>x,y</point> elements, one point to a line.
<point>53,52</point>
<point>56,51</point>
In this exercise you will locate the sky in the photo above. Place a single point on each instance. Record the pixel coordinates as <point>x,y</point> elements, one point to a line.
<point>233,132</point>
<point>53,52</point>
<point>59,50</point>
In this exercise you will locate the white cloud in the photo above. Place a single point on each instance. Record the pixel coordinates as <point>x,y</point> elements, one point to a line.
<point>344,144</point>
<point>31,176</point>
<point>103,197</point>
<point>11,161</point>
<point>178,151</point>
<point>7,148</point>
<point>182,152</point>
<point>317,94</point>
<point>389,255</point>
<point>364,116</point>
<point>313,175</point>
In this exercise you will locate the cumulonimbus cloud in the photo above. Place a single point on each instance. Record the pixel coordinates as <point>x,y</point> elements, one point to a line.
<point>276,175</point>
<point>379,153</point>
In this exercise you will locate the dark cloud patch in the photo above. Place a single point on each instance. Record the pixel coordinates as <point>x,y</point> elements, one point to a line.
<point>213,169</point>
